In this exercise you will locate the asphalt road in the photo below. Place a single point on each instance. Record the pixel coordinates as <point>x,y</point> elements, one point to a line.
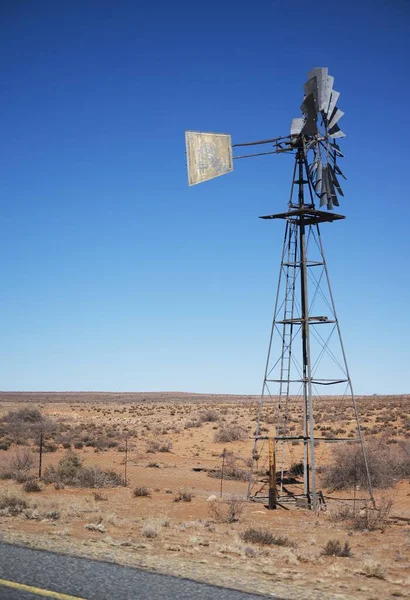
<point>41,574</point>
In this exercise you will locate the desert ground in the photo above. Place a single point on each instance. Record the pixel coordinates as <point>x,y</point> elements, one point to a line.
<point>136,479</point>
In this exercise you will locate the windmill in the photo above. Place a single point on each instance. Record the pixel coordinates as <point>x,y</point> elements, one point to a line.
<point>306,353</point>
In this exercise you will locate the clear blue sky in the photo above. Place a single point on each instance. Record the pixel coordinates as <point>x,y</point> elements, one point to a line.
<point>117,276</point>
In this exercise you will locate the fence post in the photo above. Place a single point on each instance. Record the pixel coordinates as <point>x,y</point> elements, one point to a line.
<point>222,470</point>
<point>40,462</point>
<point>125,462</point>
<point>272,474</point>
<point>354,485</point>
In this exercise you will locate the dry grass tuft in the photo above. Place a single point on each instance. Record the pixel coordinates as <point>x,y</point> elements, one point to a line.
<point>335,548</point>
<point>373,569</point>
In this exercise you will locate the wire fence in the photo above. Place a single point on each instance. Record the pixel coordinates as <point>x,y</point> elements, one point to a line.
<point>224,468</point>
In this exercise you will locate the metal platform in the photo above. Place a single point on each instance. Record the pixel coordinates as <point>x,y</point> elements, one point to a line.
<point>311,216</point>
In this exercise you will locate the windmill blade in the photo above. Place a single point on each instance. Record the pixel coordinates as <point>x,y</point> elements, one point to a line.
<point>334,149</point>
<point>335,180</point>
<point>333,101</point>
<point>310,88</point>
<point>297,126</point>
<point>324,193</point>
<point>335,116</point>
<point>329,91</point>
<point>323,197</point>
<point>336,132</point>
<point>308,108</point>
<point>208,155</point>
<point>339,171</point>
<point>313,167</point>
<point>327,197</point>
<point>319,178</point>
<point>320,78</point>
<point>331,187</point>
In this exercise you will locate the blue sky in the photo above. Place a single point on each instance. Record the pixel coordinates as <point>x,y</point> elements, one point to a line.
<point>117,276</point>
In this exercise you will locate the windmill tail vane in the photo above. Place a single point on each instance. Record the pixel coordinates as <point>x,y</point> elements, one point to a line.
<point>302,358</point>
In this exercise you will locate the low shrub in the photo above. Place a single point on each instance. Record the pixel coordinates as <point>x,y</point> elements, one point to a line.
<point>150,530</point>
<point>183,497</point>
<point>209,416</point>
<point>193,423</point>
<point>335,548</point>
<point>231,471</point>
<point>165,447</point>
<point>19,466</point>
<point>365,518</point>
<point>98,497</point>
<point>373,569</point>
<point>70,471</point>
<point>24,415</point>
<point>142,492</point>
<point>12,505</point>
<point>31,485</point>
<point>296,469</point>
<point>153,446</point>
<point>229,511</point>
<point>263,537</point>
<point>24,424</point>
<point>229,433</point>
<point>386,463</point>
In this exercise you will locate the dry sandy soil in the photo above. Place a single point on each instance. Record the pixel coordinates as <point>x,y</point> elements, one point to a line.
<point>166,440</point>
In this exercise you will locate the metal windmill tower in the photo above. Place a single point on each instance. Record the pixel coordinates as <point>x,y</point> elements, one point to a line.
<point>306,353</point>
